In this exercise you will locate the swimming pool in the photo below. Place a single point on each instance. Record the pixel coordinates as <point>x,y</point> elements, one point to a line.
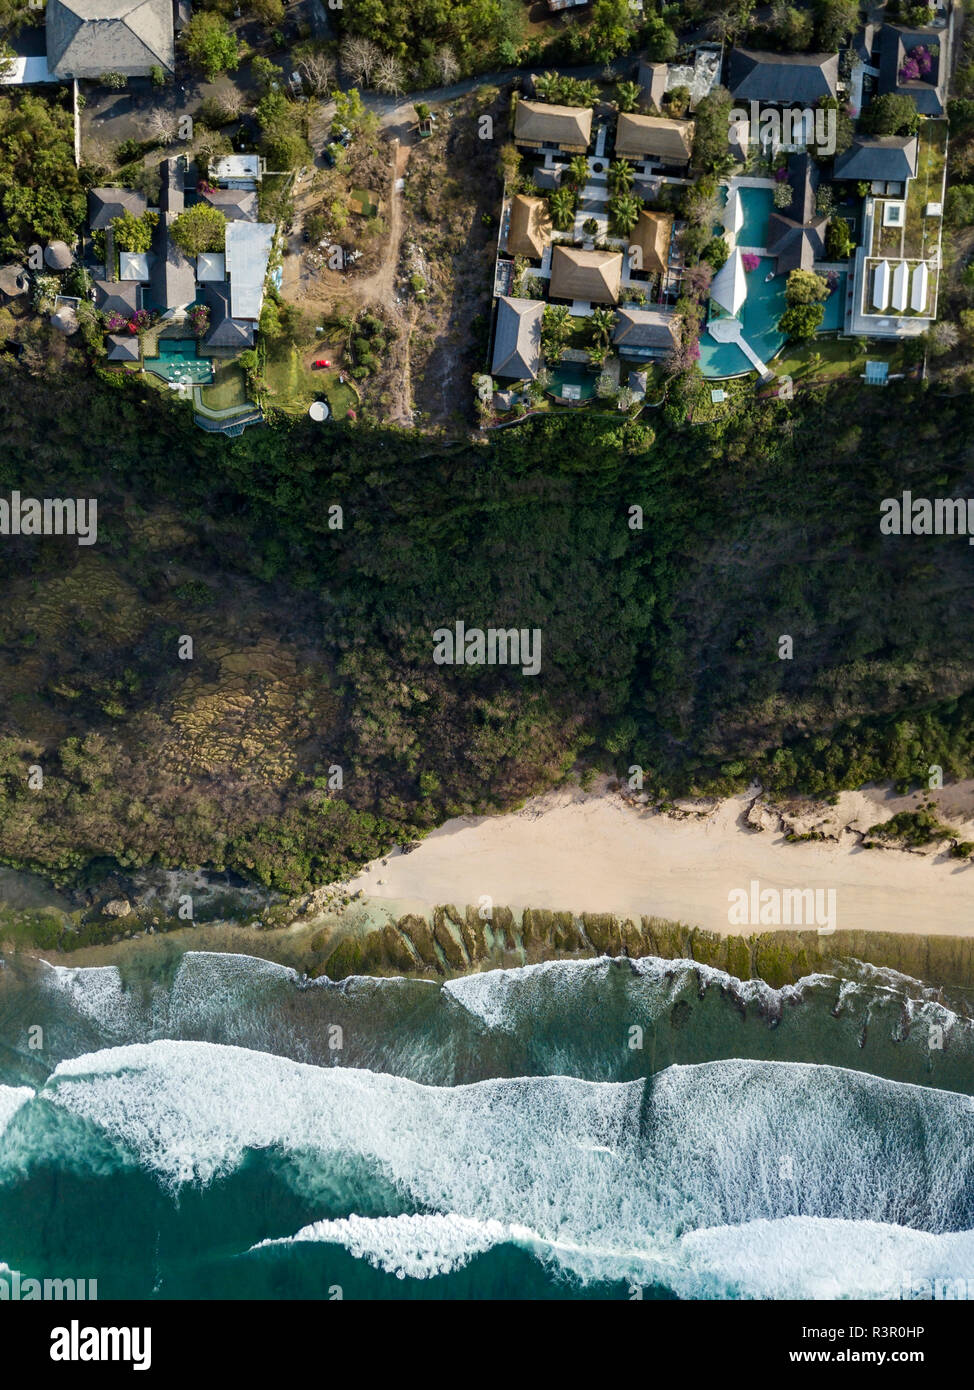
<point>177,361</point>
<point>579,381</point>
<point>757,204</point>
<point>759,317</point>
<point>835,307</point>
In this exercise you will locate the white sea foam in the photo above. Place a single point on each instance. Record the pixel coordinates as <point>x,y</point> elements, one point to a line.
<point>602,1177</point>
<point>96,995</point>
<point>417,1247</point>
<point>11,1100</point>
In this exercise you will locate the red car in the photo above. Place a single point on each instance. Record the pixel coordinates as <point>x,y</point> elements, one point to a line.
<point>322,362</point>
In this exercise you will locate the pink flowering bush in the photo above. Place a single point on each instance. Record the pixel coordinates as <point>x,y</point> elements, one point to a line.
<point>750,262</point>
<point>917,65</point>
<point>200,318</point>
<point>114,322</point>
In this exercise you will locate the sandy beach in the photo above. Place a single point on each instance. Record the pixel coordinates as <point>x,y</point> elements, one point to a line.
<point>594,852</point>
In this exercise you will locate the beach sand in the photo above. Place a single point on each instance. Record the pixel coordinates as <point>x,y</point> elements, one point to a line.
<point>595,852</point>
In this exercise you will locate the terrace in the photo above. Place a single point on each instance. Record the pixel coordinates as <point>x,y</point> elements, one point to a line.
<point>903,234</point>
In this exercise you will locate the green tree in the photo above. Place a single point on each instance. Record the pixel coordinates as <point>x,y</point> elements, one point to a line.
<point>835,23</point>
<point>282,138</point>
<point>134,233</point>
<point>627,96</point>
<point>561,204</point>
<point>711,146</point>
<point>802,320</point>
<point>621,176</point>
<point>209,44</point>
<point>838,240</point>
<point>41,197</point>
<point>611,29</point>
<point>805,287</point>
<point>893,113</point>
<point>624,210</point>
<point>200,228</point>
<point>577,175</point>
<point>601,323</point>
<point>791,27</point>
<point>959,205</point>
<point>659,40</point>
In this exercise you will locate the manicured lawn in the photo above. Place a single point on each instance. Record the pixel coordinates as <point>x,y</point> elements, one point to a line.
<point>228,387</point>
<point>839,357</point>
<point>292,384</point>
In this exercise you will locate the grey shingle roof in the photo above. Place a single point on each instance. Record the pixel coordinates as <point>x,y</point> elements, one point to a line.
<point>517,338</point>
<point>117,296</point>
<point>224,331</point>
<point>86,38</point>
<point>123,347</point>
<point>104,204</point>
<point>796,247</point>
<point>236,204</point>
<point>892,158</point>
<point>172,281</point>
<point>171,186</point>
<point>895,46</point>
<point>794,78</point>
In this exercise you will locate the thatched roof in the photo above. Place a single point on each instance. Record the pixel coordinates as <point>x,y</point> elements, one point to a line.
<point>58,255</point>
<point>644,331</point>
<point>594,276</point>
<point>540,123</point>
<point>65,319</point>
<point>652,235</point>
<point>530,229</point>
<point>659,136</point>
<point>13,281</point>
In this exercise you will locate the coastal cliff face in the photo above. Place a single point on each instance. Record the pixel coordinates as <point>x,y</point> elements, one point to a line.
<point>451,943</point>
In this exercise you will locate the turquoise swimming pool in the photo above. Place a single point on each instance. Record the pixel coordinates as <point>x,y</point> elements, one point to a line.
<point>177,361</point>
<point>578,379</point>
<point>834,319</point>
<point>758,204</point>
<point>759,317</point>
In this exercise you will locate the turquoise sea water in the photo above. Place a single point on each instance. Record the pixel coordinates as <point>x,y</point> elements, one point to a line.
<point>221,1127</point>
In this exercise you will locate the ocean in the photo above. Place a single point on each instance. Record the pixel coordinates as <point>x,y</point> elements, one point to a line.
<point>217,1126</point>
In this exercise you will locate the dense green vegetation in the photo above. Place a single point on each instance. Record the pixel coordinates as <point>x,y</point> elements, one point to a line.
<point>41,196</point>
<point>313,644</point>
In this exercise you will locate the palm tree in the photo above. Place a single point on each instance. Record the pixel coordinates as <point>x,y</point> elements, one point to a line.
<point>624,210</point>
<point>578,171</point>
<point>561,204</point>
<point>557,320</point>
<point>621,177</point>
<point>555,328</point>
<point>601,322</point>
<point>627,96</point>
<point>547,85</point>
